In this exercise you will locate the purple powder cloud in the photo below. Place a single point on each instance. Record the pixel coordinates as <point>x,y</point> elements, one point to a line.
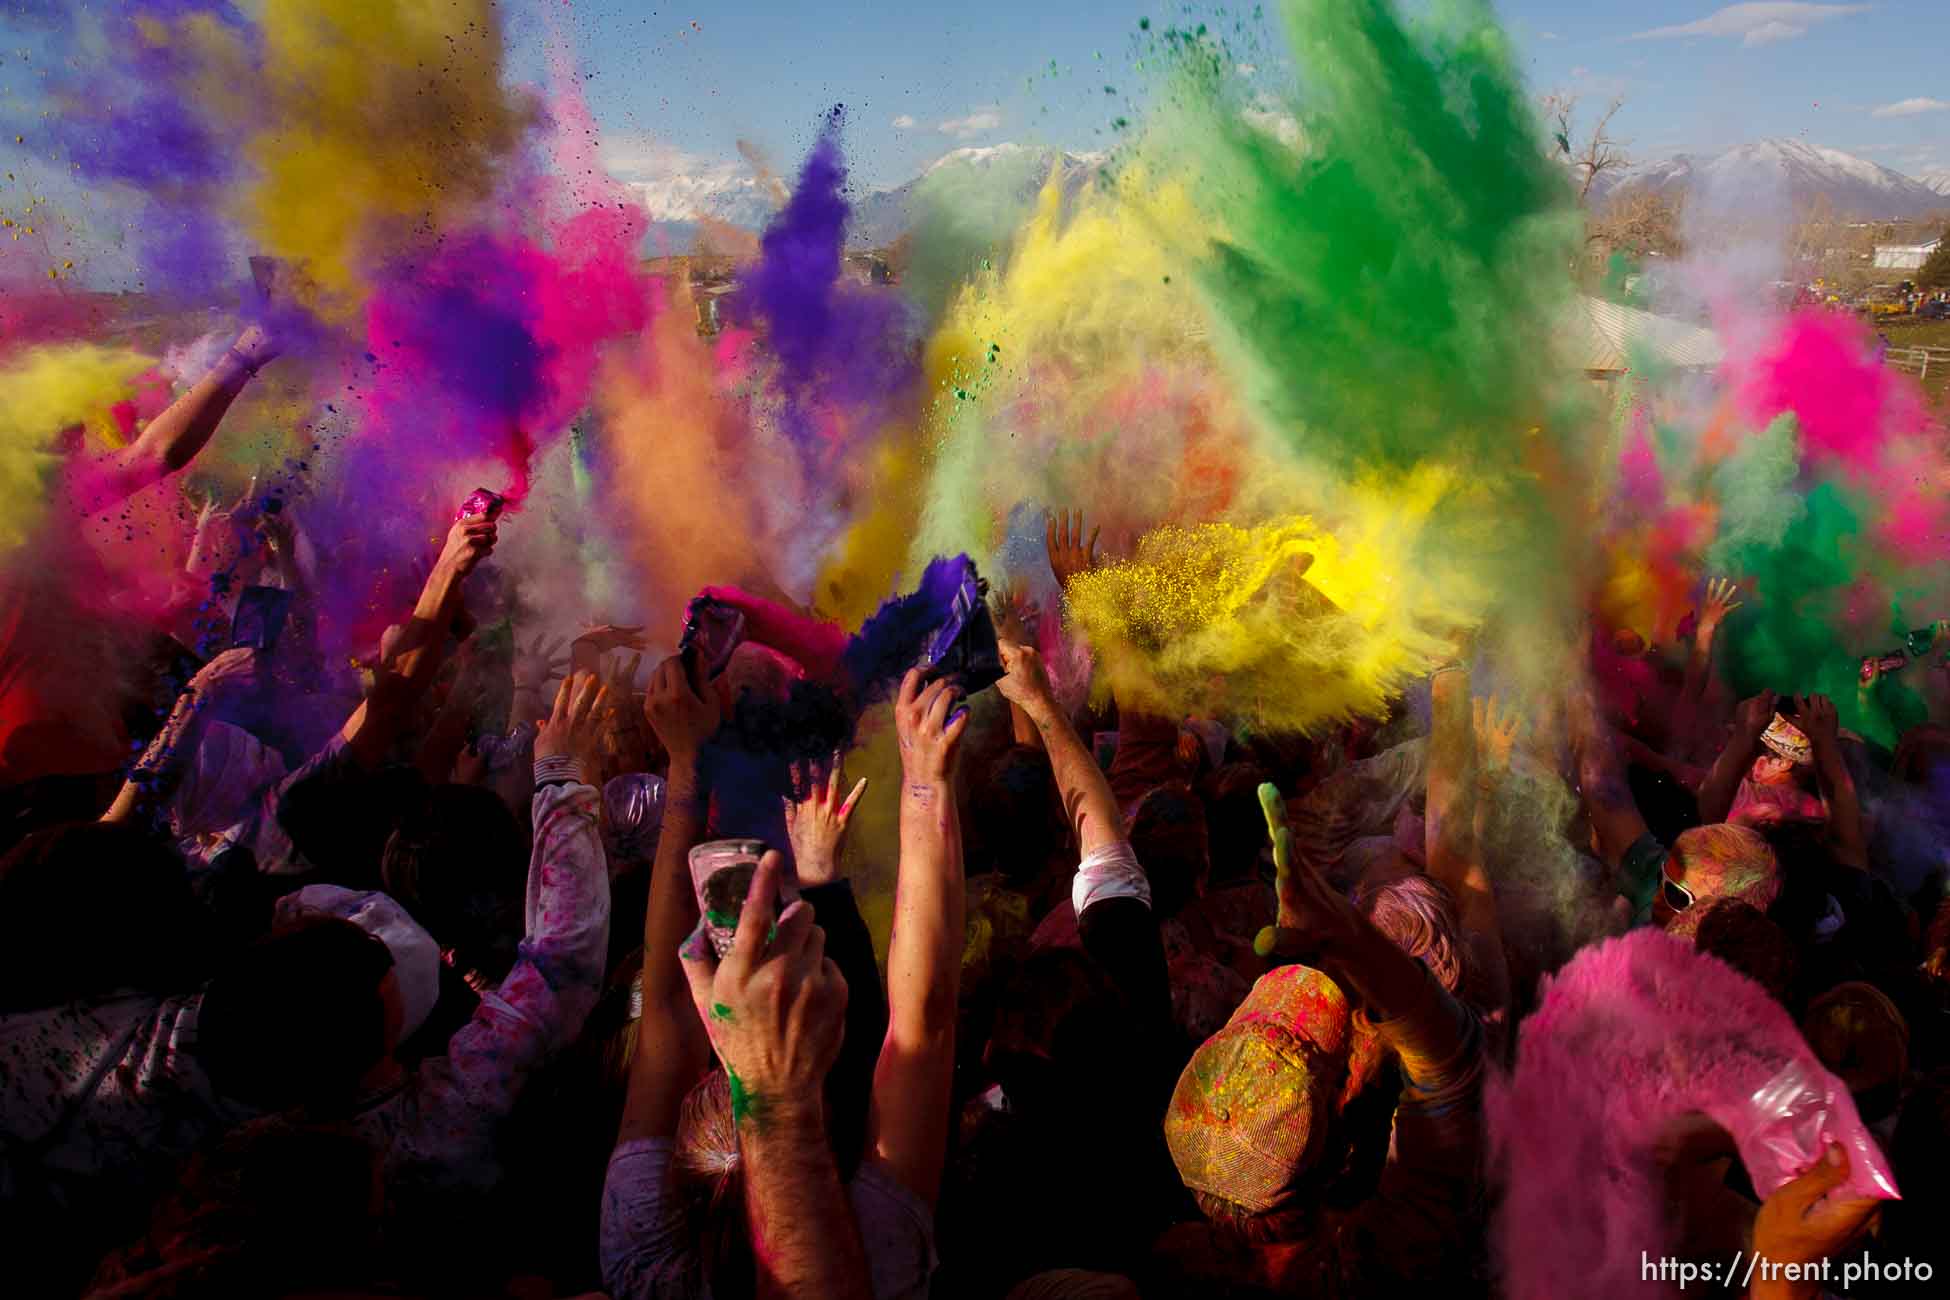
<point>841,347</point>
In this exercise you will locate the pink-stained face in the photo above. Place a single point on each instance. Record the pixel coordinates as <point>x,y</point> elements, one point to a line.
<point>1771,769</point>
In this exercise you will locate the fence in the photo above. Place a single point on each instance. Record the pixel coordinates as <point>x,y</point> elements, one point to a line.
<point>1920,360</point>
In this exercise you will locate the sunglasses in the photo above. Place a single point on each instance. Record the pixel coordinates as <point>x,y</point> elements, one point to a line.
<point>1677,896</point>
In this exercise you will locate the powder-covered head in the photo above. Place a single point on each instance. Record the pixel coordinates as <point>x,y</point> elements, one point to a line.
<point>1859,1034</point>
<point>1788,741</point>
<point>1254,1109</point>
<point>1720,861</point>
<point>1419,915</point>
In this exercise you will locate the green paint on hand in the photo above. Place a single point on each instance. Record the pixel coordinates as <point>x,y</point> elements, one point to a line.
<point>719,1011</point>
<point>744,1103</point>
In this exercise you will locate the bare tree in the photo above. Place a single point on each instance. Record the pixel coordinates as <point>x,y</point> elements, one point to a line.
<point>1635,220</point>
<point>1592,155</point>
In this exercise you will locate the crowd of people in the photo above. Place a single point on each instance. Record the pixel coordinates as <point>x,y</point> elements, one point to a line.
<point>392,979</point>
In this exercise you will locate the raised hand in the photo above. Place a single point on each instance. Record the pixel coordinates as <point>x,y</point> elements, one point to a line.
<point>469,541</point>
<point>1026,682</point>
<point>1496,734</point>
<point>1016,616</point>
<point>1802,1224</point>
<point>929,723</point>
<point>224,683</point>
<point>682,719</point>
<point>1815,715</point>
<point>1753,714</point>
<point>540,662</point>
<point>816,824</point>
<point>575,726</point>
<point>1069,554</point>
<point>775,1006</point>
<point>1720,601</point>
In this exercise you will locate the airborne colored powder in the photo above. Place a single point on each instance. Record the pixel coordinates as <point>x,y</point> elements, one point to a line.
<point>1345,317</point>
<point>380,123</point>
<point>42,392</point>
<point>843,351</point>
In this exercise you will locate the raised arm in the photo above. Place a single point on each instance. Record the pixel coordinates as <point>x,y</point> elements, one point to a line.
<point>1318,925</point>
<point>1719,602</point>
<point>816,827</point>
<point>173,438</point>
<point>1450,830</point>
<point>1722,781</point>
<point>1616,823</point>
<point>1845,838</point>
<point>1087,798</point>
<point>1620,836</point>
<point>672,1050</point>
<point>160,769</point>
<point>778,1008</point>
<point>1451,844</point>
<point>544,1001</point>
<point>398,685</point>
<point>908,1124</point>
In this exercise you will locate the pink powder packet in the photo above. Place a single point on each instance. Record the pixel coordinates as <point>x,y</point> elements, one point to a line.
<point>1792,1119</point>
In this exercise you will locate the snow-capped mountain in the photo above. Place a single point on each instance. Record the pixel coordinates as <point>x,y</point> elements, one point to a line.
<point>717,195</point>
<point>1937,178</point>
<point>1770,171</point>
<point>882,216</point>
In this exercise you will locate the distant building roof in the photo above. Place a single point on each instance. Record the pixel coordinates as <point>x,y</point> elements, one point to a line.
<point>1613,336</point>
<point>1904,257</point>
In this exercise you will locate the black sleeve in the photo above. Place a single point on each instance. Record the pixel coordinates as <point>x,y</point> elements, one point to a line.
<point>849,1086</point>
<point>1121,936</point>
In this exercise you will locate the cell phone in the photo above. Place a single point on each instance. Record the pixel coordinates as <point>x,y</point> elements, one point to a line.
<point>721,875</point>
<point>712,631</point>
<point>483,503</point>
<point>259,622</point>
<point>963,649</point>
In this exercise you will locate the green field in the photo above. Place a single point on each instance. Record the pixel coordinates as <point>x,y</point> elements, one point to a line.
<point>1908,333</point>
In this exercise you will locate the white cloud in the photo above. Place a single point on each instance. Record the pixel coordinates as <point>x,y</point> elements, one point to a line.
<point>978,122</point>
<point>1549,36</point>
<point>1911,107</point>
<point>1761,22</point>
<point>905,122</point>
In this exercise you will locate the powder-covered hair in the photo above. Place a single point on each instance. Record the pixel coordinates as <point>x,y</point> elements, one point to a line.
<point>1742,936</point>
<point>709,1177</point>
<point>1419,914</point>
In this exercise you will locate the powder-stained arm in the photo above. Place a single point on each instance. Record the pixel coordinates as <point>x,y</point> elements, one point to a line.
<point>398,684</point>
<point>913,1078</point>
<point>1722,782</point>
<point>543,1003</point>
<point>1454,857</point>
<point>1608,802</point>
<point>1845,838</point>
<point>672,1051</point>
<point>1088,803</point>
<point>173,438</point>
<point>1718,604</point>
<point>159,771</point>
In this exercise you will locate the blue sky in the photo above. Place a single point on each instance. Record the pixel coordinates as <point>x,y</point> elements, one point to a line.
<point>675,88</point>
<point>922,79</point>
